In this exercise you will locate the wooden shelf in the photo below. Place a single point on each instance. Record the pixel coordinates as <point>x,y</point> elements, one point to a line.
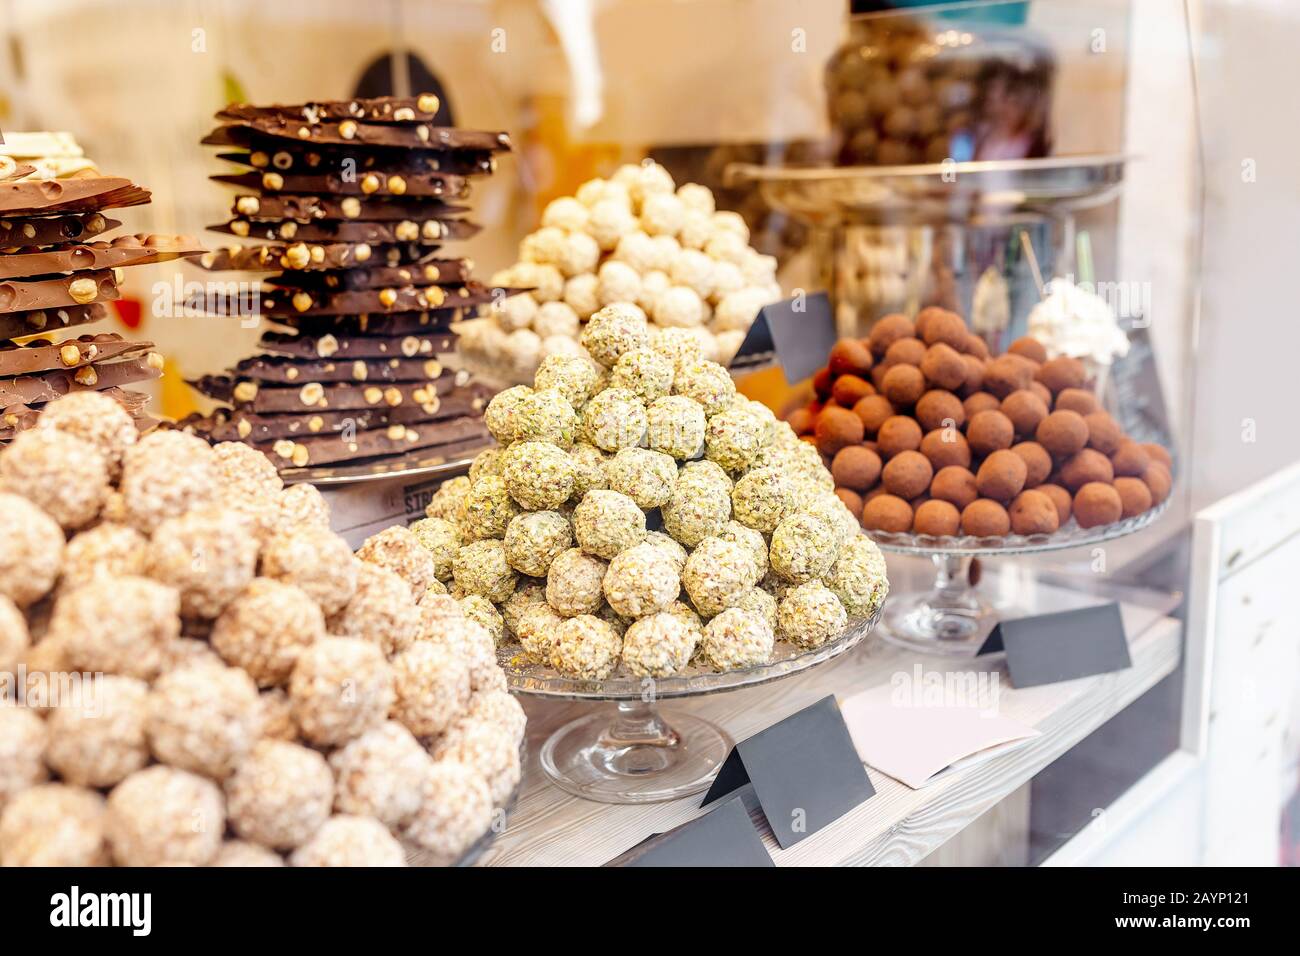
<point>898,826</point>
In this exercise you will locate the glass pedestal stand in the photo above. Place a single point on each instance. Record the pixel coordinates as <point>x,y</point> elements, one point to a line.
<point>632,752</point>
<point>951,618</point>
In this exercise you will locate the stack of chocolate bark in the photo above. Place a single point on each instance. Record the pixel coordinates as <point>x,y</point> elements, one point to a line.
<point>354,199</point>
<point>54,275</point>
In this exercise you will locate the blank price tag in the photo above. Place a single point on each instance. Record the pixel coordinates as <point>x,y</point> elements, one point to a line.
<point>800,330</point>
<point>722,837</point>
<point>1048,648</point>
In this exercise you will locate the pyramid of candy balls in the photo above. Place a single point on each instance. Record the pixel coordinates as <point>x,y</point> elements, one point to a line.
<point>632,239</point>
<point>199,672</point>
<point>925,432</point>
<point>640,518</point>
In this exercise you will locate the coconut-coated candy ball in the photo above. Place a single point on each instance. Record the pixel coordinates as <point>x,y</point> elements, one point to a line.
<point>241,853</point>
<point>266,627</point>
<point>647,477</point>
<point>1033,513</point>
<point>886,512</point>
<point>455,810</point>
<point>340,688</point>
<point>53,824</point>
<point>96,419</point>
<point>1097,504</point>
<point>280,795</point>
<point>484,613</point>
<point>433,687</point>
<point>573,376</point>
<point>657,646</point>
<point>574,583</point>
<point>606,522</point>
<point>63,475</point>
<point>204,718</point>
<point>302,507</point>
<point>810,615</point>
<point>717,572</point>
<point>107,548</point>
<point>487,748</point>
<point>639,582</point>
<point>380,610</point>
<point>536,539</point>
<point>346,840</point>
<point>736,638</point>
<point>379,774</point>
<point>481,567</point>
<point>804,546</point>
<point>536,631</point>
<point>586,647</point>
<point>613,330</point>
<point>614,418</point>
<point>707,383</point>
<point>209,555</point>
<point>117,625</point>
<point>164,474</point>
<point>161,815</point>
<point>22,745</point>
<point>676,426</point>
<point>669,550</point>
<point>538,475</point>
<point>401,552</point>
<point>320,563</point>
<point>32,553</point>
<point>1062,433</point>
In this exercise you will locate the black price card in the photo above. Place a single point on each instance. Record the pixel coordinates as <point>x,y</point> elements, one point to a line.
<point>801,331</point>
<point>722,837</point>
<point>1048,648</point>
<point>805,772</point>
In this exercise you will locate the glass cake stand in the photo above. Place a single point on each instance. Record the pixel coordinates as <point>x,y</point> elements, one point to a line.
<point>951,618</point>
<point>631,752</point>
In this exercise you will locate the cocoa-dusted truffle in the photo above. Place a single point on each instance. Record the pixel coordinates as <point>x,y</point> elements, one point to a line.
<point>954,484</point>
<point>1134,496</point>
<point>1158,479</point>
<point>1030,348</point>
<point>907,474</point>
<point>886,512</point>
<point>975,346</point>
<point>1042,391</point>
<point>1062,433</point>
<point>1001,476</point>
<point>1076,400</point>
<point>939,325</point>
<point>985,519</point>
<point>1025,409</point>
<point>802,420</point>
<point>1130,459</point>
<point>822,382</point>
<point>989,431</point>
<point>977,402</point>
<point>905,352</point>
<point>1038,463</point>
<point>937,518</point>
<point>974,380</point>
<point>1097,504</point>
<point>943,366</point>
<point>897,434</point>
<point>852,500</point>
<point>856,468</point>
<point>1033,513</point>
<point>903,385</point>
<point>849,357</point>
<point>1061,373</point>
<point>1085,466</point>
<point>1159,454</point>
<point>1104,433</point>
<point>888,330</point>
<point>1061,498</point>
<point>946,446</point>
<point>940,409</point>
<point>874,411</point>
<point>837,428</point>
<point>1007,374</point>
<point>848,390</point>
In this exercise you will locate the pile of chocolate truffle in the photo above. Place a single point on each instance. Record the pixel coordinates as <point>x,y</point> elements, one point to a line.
<point>54,275</point>
<point>642,518</point>
<point>354,199</point>
<point>924,432</point>
<point>635,239</point>
<point>199,672</point>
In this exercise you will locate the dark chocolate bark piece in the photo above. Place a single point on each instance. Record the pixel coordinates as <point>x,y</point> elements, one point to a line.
<point>288,371</point>
<point>14,325</point>
<point>329,345</point>
<point>48,386</point>
<point>21,231</point>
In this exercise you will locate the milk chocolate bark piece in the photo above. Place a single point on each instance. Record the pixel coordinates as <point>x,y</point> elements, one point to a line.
<point>24,295</point>
<point>11,170</point>
<point>14,325</point>
<point>274,302</point>
<point>288,371</point>
<point>42,356</point>
<point>122,251</point>
<point>20,231</point>
<point>316,396</point>
<point>455,434</point>
<point>48,386</point>
<point>428,232</point>
<point>313,257</point>
<point>346,207</point>
<point>28,196</point>
<point>328,345</point>
<point>375,183</point>
<point>17,418</point>
<point>422,108</point>
<point>354,133</point>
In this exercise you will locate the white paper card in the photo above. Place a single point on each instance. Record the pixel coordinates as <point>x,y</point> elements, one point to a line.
<point>919,741</point>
